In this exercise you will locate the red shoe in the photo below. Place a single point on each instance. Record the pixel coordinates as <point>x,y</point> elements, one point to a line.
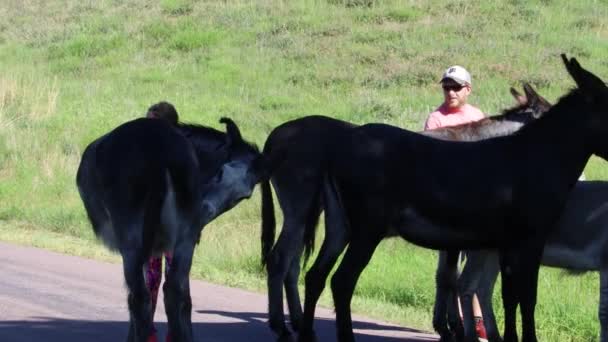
<point>480,328</point>
<point>152,338</point>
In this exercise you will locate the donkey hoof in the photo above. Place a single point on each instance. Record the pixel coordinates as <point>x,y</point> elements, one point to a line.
<point>307,337</point>
<point>295,324</point>
<point>286,336</point>
<point>447,338</point>
<point>495,339</point>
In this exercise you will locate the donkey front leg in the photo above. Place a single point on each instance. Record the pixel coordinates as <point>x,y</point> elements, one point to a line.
<point>528,288</point>
<point>528,306</point>
<point>178,303</point>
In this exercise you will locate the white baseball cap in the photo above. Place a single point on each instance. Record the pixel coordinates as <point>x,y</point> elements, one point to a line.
<point>458,74</point>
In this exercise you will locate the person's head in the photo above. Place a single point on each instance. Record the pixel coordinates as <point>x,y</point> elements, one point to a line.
<point>456,85</point>
<point>163,110</point>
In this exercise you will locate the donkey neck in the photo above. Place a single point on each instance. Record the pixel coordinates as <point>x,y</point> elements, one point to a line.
<point>563,136</point>
<point>209,145</point>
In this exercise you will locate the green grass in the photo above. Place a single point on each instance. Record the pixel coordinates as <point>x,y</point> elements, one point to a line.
<point>72,70</point>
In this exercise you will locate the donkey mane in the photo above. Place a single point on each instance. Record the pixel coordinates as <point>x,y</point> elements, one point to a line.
<point>199,136</point>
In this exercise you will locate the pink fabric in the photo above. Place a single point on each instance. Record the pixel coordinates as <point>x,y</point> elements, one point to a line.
<point>443,117</point>
<point>153,275</point>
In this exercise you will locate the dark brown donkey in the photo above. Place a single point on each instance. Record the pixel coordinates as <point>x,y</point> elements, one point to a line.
<point>298,186</point>
<point>150,186</point>
<point>388,180</point>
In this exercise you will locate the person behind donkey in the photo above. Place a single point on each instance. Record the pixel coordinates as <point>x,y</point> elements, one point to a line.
<point>455,110</point>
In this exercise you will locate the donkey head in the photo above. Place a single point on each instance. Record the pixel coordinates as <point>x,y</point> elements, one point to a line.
<point>531,105</point>
<point>236,178</point>
<point>537,104</point>
<point>593,102</point>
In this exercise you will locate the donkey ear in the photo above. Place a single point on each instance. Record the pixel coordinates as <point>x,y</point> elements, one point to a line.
<point>584,79</point>
<point>521,99</point>
<point>232,131</point>
<point>530,92</point>
<point>574,69</point>
<point>539,103</point>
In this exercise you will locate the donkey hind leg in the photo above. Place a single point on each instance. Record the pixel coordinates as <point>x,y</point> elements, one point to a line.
<point>467,285</point>
<point>344,280</point>
<point>138,299</point>
<point>510,297</point>
<point>532,253</point>
<point>336,238</point>
<point>281,260</point>
<point>291,281</point>
<point>292,292</point>
<point>445,285</point>
<point>178,304</point>
<point>299,206</point>
<point>485,290</point>
<point>519,269</point>
<point>603,306</point>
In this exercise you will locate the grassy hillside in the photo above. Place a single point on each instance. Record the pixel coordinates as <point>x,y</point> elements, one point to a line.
<point>71,70</point>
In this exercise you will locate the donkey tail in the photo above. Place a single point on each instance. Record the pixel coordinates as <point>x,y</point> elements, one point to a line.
<point>268,220</point>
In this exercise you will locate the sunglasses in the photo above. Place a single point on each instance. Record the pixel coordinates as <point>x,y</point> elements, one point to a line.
<point>454,87</point>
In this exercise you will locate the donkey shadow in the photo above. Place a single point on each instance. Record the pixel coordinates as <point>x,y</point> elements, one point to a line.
<point>248,326</point>
<point>326,332</point>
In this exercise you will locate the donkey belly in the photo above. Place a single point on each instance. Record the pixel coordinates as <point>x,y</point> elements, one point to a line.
<point>421,231</point>
<point>576,246</point>
<point>580,238</point>
<point>573,259</point>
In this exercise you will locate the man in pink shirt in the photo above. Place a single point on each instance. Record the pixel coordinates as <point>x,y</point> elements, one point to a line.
<point>456,84</point>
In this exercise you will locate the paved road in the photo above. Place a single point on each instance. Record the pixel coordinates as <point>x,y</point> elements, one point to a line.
<point>45,296</point>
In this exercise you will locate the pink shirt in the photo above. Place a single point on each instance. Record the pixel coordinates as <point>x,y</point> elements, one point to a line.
<point>441,117</point>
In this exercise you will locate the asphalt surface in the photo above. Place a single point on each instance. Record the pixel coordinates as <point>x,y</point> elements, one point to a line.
<point>51,297</point>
